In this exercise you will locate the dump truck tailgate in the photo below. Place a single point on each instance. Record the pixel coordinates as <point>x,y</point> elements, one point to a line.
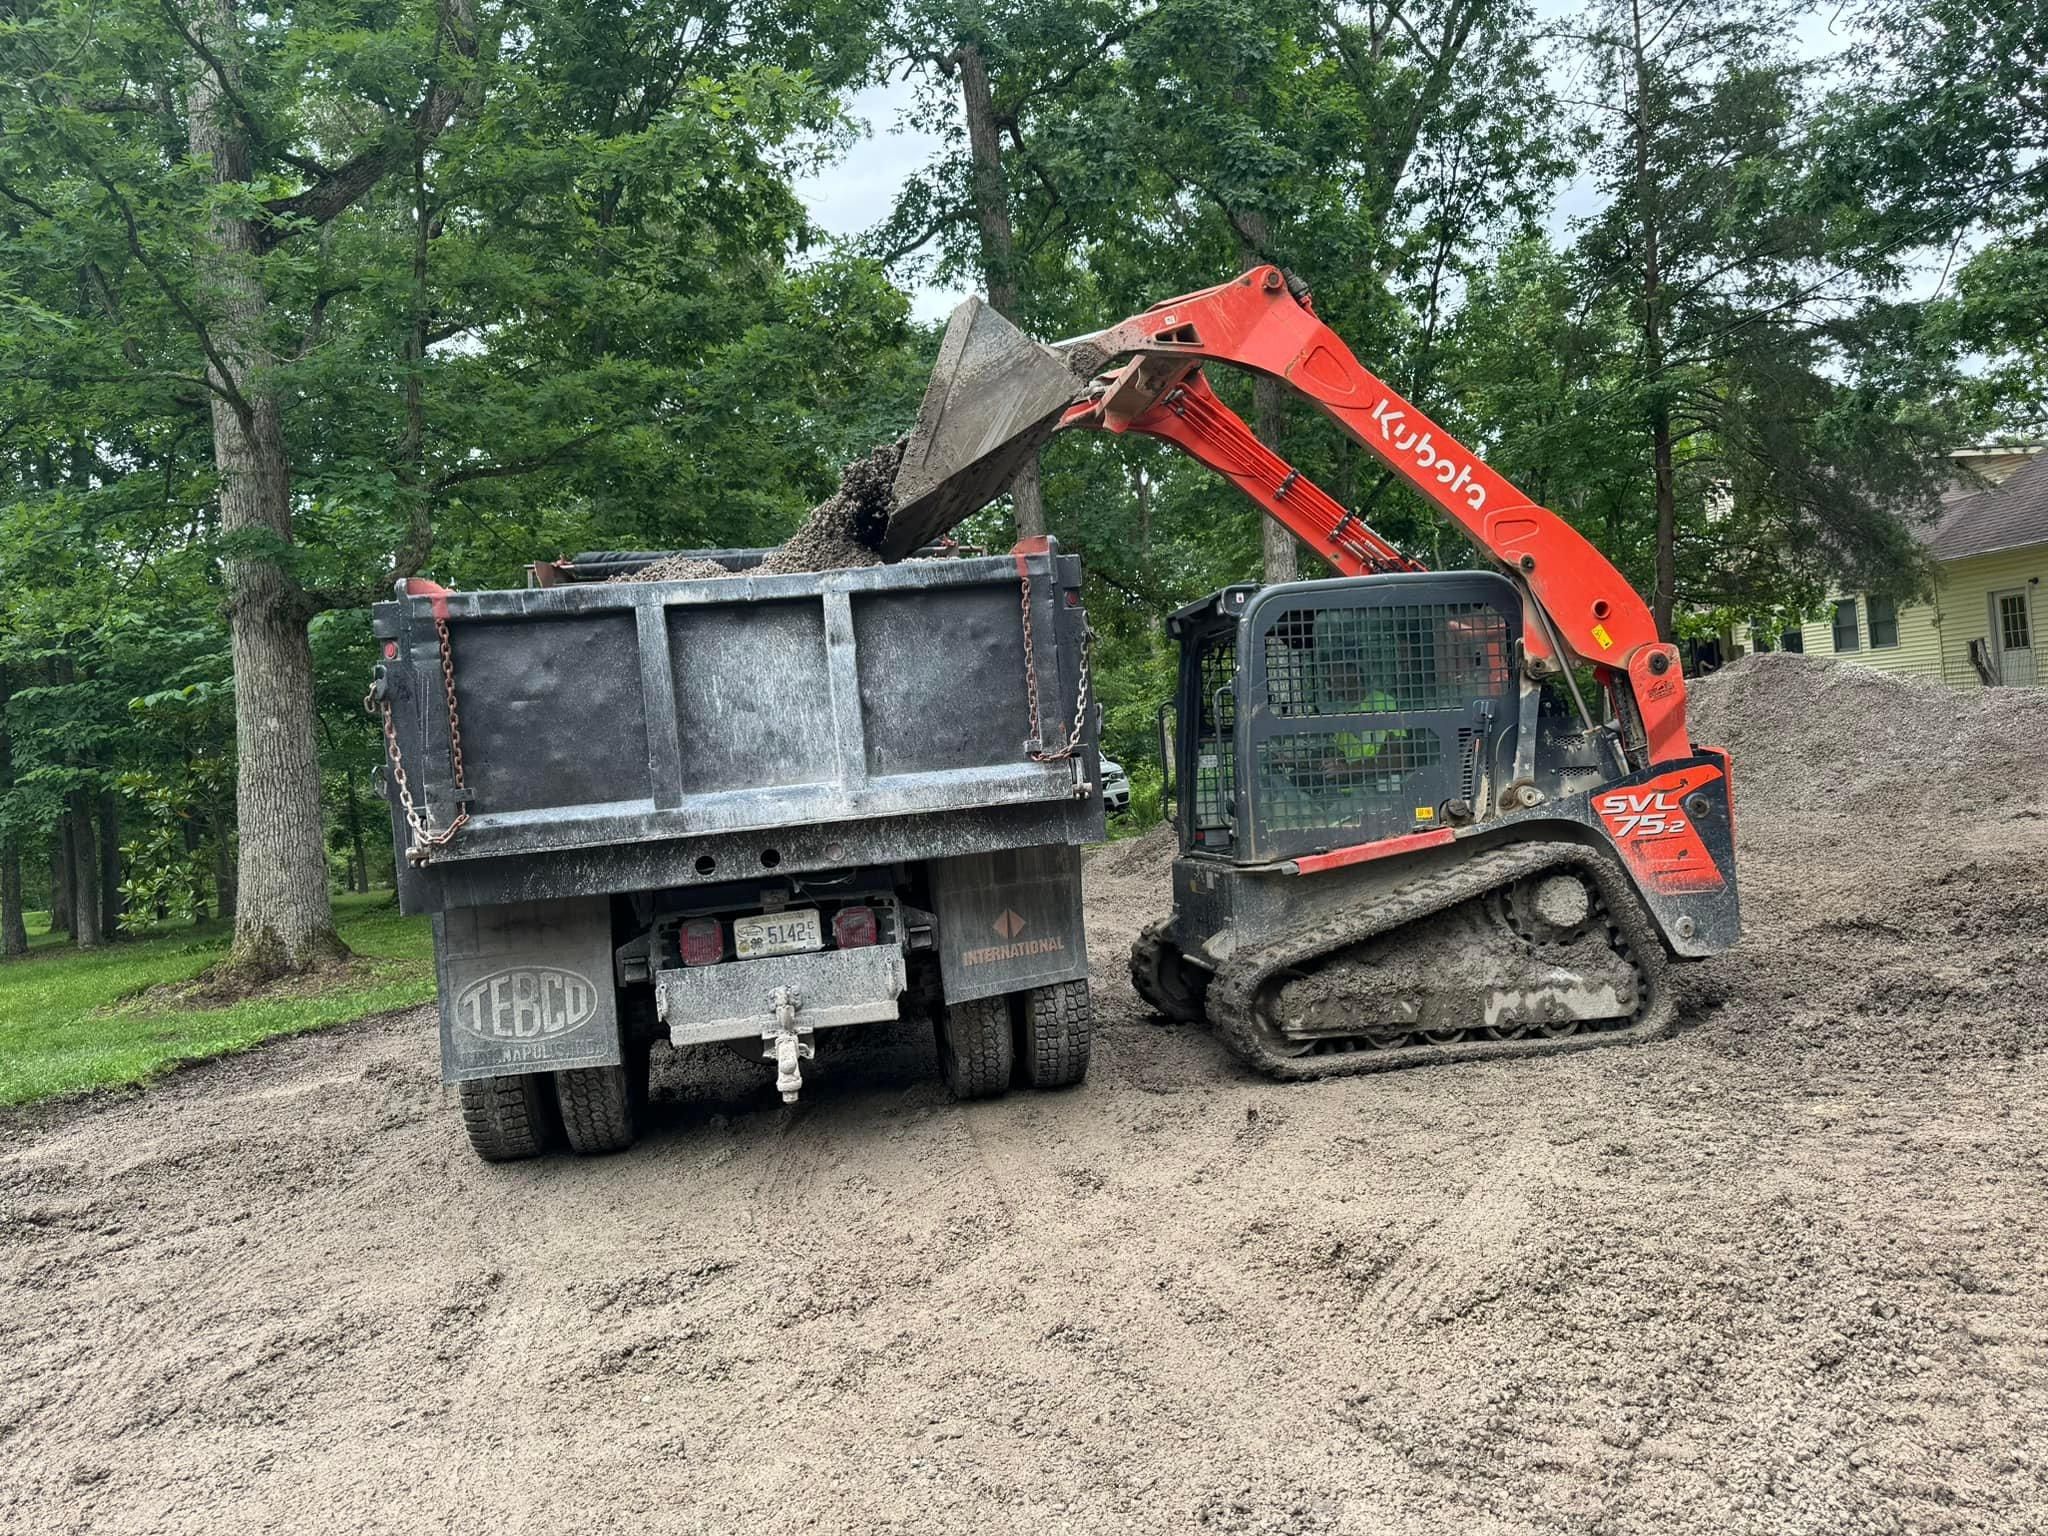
<point>602,715</point>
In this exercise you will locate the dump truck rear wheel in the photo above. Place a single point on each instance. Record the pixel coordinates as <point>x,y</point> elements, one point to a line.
<point>976,1052</point>
<point>507,1118</point>
<point>602,1107</point>
<point>1056,1027</point>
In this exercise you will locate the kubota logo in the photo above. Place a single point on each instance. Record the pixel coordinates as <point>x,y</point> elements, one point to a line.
<point>526,1003</point>
<point>1009,925</point>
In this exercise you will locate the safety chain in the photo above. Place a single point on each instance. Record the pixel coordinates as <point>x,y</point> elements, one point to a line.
<point>1038,753</point>
<point>424,838</point>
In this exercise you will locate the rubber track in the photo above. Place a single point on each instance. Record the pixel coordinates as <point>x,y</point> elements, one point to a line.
<point>1232,996</point>
<point>597,1109</point>
<point>979,1050</point>
<point>506,1118</point>
<point>1059,1028</point>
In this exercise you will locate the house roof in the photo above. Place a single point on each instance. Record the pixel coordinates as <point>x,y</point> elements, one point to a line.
<point>2010,515</point>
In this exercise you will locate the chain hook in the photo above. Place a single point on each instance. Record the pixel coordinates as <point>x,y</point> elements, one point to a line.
<point>1039,752</point>
<point>425,838</point>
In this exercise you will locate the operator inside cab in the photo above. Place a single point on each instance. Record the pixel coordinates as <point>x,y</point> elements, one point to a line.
<point>1357,663</point>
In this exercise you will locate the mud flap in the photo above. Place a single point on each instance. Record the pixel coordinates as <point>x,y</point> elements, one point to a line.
<point>526,987</point>
<point>1009,920</point>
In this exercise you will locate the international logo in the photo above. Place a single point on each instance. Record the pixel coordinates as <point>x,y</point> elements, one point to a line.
<point>1009,926</point>
<point>526,1002</point>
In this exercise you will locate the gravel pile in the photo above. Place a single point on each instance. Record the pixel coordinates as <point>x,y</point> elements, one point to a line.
<point>846,528</point>
<point>1814,737</point>
<point>674,568</point>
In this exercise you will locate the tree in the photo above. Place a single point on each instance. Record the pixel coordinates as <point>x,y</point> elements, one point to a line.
<point>13,929</point>
<point>1942,138</point>
<point>1376,153</point>
<point>298,305</point>
<point>1008,66</point>
<point>1762,374</point>
<point>202,146</point>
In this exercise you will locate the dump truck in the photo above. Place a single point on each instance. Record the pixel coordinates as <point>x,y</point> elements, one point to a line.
<point>746,811</point>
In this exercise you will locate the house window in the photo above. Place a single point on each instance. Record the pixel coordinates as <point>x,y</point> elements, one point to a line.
<point>1793,640</point>
<point>1845,625</point>
<point>2014,634</point>
<point>1884,623</point>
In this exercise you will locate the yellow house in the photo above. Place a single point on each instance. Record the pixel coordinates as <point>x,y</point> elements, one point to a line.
<point>1983,625</point>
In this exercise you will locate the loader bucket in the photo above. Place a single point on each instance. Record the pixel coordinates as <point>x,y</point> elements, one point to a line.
<point>994,399</point>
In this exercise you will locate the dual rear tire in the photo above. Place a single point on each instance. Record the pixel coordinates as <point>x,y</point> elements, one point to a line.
<point>593,1109</point>
<point>1042,1036</point>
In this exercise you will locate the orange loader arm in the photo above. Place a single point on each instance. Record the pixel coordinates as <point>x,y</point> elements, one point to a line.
<point>1584,609</point>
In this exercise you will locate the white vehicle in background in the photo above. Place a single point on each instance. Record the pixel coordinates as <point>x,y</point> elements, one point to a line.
<point>1116,787</point>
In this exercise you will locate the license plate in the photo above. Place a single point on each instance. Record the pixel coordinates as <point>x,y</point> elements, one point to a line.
<point>777,933</point>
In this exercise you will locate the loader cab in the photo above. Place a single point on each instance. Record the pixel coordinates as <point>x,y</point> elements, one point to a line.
<point>1318,715</point>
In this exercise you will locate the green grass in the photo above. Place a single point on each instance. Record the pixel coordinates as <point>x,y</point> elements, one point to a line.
<point>71,1020</point>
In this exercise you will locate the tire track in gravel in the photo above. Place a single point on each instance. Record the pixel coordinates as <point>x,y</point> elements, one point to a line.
<point>1446,1272</point>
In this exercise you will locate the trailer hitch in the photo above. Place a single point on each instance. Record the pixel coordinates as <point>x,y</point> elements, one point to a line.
<point>786,1040</point>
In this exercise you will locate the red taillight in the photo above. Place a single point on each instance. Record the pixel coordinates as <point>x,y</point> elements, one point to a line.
<point>701,941</point>
<point>853,927</point>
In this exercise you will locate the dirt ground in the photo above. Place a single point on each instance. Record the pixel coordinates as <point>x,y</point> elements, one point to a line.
<point>1778,1273</point>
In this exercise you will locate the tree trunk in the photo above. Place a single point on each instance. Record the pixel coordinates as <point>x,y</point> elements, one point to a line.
<point>224,878</point>
<point>13,929</point>
<point>1664,602</point>
<point>189,834</point>
<point>62,860</point>
<point>359,862</point>
<point>85,873</point>
<point>1269,403</point>
<point>1269,418</point>
<point>284,919</point>
<point>111,905</point>
<point>1664,599</point>
<point>998,244</point>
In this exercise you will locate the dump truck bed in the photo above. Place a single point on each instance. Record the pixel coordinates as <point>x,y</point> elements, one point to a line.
<point>627,736</point>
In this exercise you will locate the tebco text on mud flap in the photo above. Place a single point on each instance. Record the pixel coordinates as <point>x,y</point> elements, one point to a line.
<point>526,1003</point>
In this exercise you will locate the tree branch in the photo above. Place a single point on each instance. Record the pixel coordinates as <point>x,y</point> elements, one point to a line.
<point>228,389</point>
<point>470,473</point>
<point>220,71</point>
<point>336,191</point>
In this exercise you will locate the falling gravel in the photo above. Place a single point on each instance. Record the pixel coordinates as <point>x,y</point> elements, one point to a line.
<point>847,528</point>
<point>843,530</point>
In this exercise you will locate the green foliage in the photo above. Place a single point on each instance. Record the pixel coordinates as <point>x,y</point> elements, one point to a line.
<point>1148,803</point>
<point>71,1021</point>
<point>1940,140</point>
<point>591,311</point>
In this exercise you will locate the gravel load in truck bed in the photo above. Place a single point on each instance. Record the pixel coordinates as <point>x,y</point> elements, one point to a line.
<point>848,527</point>
<point>1777,1273</point>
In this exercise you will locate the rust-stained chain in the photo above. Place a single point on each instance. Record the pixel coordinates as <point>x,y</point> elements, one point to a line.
<point>1039,753</point>
<point>425,839</point>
